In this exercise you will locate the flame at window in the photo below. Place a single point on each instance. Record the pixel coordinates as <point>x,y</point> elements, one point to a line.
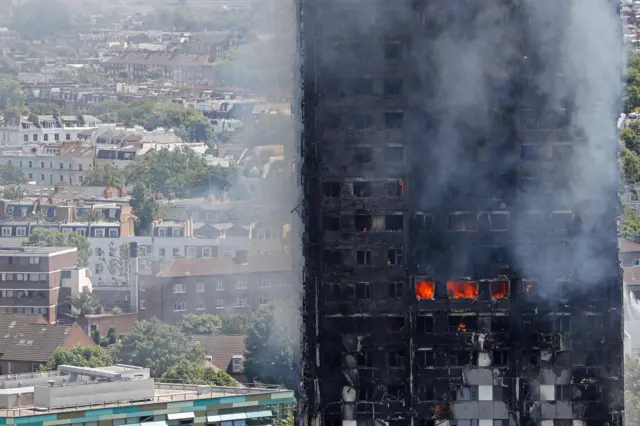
<point>462,289</point>
<point>500,289</point>
<point>528,287</point>
<point>461,327</point>
<point>425,289</point>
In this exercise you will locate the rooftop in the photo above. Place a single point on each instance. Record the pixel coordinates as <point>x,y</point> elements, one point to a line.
<point>35,251</point>
<point>626,246</point>
<point>223,266</point>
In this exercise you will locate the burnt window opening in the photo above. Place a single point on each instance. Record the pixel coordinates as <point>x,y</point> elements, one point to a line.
<point>365,359</point>
<point>363,291</point>
<point>529,288</point>
<point>500,357</point>
<point>563,393</point>
<point>393,120</point>
<point>462,324</point>
<point>499,221</point>
<point>423,222</point>
<point>440,358</point>
<point>393,50</point>
<point>533,153</point>
<point>563,323</point>
<point>425,290</point>
<point>500,323</point>
<point>336,291</point>
<point>363,257</point>
<point>333,121</point>
<point>424,422</point>
<point>362,155</point>
<point>421,255</point>
<point>462,289</point>
<point>498,395</point>
<point>593,358</point>
<point>328,157</point>
<point>332,257</point>
<point>394,257</point>
<point>395,290</point>
<point>331,223</point>
<point>586,392</point>
<point>347,292</point>
<point>393,86</point>
<point>366,393</point>
<point>363,223</point>
<point>395,359</point>
<point>362,86</point>
<point>331,86</point>
<point>464,393</point>
<point>361,50</point>
<point>394,154</point>
<point>333,421</point>
<point>331,189</point>
<point>562,222</point>
<point>424,324</point>
<point>393,222</point>
<point>459,358</point>
<point>333,359</point>
<point>394,189</point>
<point>463,222</point>
<point>362,121</point>
<point>362,189</point>
<point>424,358</point>
<point>395,392</point>
<point>563,152</point>
<point>394,324</point>
<point>531,358</point>
<point>563,423</point>
<point>499,289</point>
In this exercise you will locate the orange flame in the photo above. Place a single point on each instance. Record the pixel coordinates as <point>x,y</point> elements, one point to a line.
<point>500,290</point>
<point>462,289</point>
<point>401,186</point>
<point>362,193</point>
<point>526,57</point>
<point>528,287</point>
<point>364,230</point>
<point>425,289</point>
<point>462,327</point>
<point>388,261</point>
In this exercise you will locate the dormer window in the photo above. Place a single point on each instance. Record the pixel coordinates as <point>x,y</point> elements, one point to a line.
<point>237,364</point>
<point>175,232</point>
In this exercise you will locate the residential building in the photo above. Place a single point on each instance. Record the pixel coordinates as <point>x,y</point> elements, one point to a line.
<point>28,342</point>
<point>31,279</point>
<point>179,68</point>
<point>122,394</point>
<point>219,286</point>
<point>460,254</point>
<point>16,130</point>
<point>226,353</point>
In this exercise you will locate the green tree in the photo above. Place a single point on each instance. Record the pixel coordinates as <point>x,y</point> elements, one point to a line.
<point>47,238</point>
<point>14,192</point>
<point>10,175</point>
<point>11,94</point>
<point>288,420</point>
<point>630,165</point>
<point>41,108</point>
<point>97,339</point>
<point>154,73</point>
<point>106,175</point>
<point>194,324</point>
<point>632,390</point>
<point>272,348</point>
<point>112,336</point>
<point>235,324</point>
<point>629,226</point>
<point>145,208</point>
<point>123,75</point>
<point>190,372</point>
<point>84,304</point>
<point>157,346</point>
<point>80,356</point>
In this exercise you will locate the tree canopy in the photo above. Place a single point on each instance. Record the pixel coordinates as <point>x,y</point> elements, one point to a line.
<point>235,324</point>
<point>157,346</point>
<point>190,372</point>
<point>632,390</point>
<point>107,175</point>
<point>14,192</point>
<point>48,238</point>
<point>80,356</point>
<point>11,94</point>
<point>272,347</point>
<point>84,304</point>
<point>194,324</point>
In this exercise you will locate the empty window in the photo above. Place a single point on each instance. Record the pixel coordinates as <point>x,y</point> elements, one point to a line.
<point>200,306</point>
<point>241,285</point>
<point>331,189</point>
<point>562,221</point>
<point>499,221</point>
<point>362,121</point>
<point>393,50</point>
<point>395,359</point>
<point>362,189</point>
<point>362,155</point>
<point>363,291</point>
<point>363,223</point>
<point>394,257</point>
<point>362,86</point>
<point>425,359</point>
<point>394,189</point>
<point>393,120</point>
<point>219,286</point>
<point>331,223</point>
<point>178,288</point>
<point>424,324</point>
<point>363,257</point>
<point>423,222</point>
<point>394,154</point>
<point>462,222</point>
<point>332,257</point>
<point>394,290</point>
<point>200,287</point>
<point>533,153</point>
<point>333,121</point>
<point>392,86</point>
<point>393,222</point>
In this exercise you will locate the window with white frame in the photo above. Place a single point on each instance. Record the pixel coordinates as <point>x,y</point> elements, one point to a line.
<point>23,211</point>
<point>200,287</point>
<point>175,232</point>
<point>99,268</point>
<point>112,213</point>
<point>6,231</point>
<point>82,232</point>
<point>10,210</point>
<point>99,251</point>
<point>241,285</point>
<point>192,252</point>
<point>264,301</point>
<point>34,260</point>
<point>162,232</point>
<point>265,283</point>
<point>200,306</point>
<point>179,306</point>
<point>241,302</point>
<point>143,304</point>
<point>178,288</point>
<point>220,304</point>
<point>113,232</point>
<point>21,231</point>
<point>206,252</point>
<point>98,232</point>
<point>236,364</point>
<point>219,286</point>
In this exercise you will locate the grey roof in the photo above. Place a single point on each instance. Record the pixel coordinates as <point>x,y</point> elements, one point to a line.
<point>22,339</point>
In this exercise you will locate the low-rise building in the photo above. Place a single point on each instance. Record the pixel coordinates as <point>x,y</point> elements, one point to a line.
<point>32,280</point>
<point>226,353</point>
<point>218,286</point>
<point>122,394</point>
<point>177,67</point>
<point>16,130</point>
<point>29,341</point>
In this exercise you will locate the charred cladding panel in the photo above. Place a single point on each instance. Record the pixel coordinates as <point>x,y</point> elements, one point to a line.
<point>459,171</point>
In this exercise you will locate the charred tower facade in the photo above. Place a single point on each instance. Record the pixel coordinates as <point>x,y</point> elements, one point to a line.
<point>460,196</point>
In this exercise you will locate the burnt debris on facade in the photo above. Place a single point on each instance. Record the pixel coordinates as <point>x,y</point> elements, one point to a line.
<point>460,196</point>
